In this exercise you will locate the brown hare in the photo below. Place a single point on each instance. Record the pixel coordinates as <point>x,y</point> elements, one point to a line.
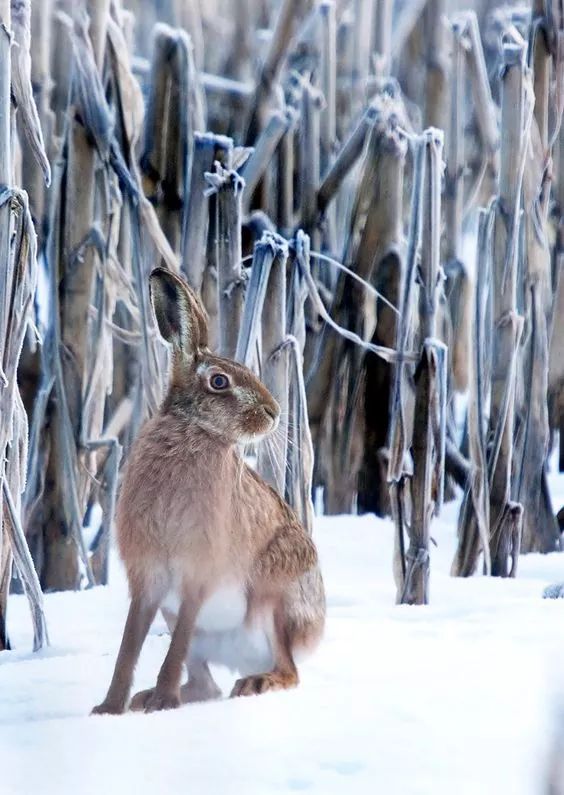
<point>203,537</point>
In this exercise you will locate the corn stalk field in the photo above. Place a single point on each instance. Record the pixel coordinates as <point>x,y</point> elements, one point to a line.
<point>368,196</point>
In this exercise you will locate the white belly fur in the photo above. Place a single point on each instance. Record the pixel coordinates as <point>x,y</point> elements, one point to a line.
<point>222,636</point>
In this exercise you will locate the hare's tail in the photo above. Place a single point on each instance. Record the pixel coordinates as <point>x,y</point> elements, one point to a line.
<point>305,610</point>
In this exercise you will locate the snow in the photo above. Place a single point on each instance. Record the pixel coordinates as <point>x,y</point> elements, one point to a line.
<point>457,697</point>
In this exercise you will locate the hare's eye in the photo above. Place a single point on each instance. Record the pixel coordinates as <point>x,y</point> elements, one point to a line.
<point>219,381</point>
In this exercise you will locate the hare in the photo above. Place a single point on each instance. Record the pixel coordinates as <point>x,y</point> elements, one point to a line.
<point>203,537</point>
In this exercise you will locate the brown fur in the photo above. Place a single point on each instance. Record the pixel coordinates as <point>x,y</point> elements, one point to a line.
<point>193,513</point>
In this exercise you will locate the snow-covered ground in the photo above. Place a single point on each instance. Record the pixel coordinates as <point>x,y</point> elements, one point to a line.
<point>455,697</point>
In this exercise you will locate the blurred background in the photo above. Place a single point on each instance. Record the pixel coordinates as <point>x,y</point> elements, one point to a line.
<point>367,194</point>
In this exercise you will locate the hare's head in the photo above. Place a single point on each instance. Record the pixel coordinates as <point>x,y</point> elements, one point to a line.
<point>220,396</point>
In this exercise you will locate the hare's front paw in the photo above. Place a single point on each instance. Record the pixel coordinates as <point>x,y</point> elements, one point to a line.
<point>195,692</point>
<point>154,700</point>
<point>139,700</point>
<point>158,701</point>
<point>261,683</point>
<point>108,708</point>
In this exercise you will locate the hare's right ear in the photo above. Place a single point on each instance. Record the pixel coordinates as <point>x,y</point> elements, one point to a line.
<point>180,316</point>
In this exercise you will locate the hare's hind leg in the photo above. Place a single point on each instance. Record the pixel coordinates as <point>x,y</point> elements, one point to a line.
<point>200,685</point>
<point>289,556</point>
<point>285,674</point>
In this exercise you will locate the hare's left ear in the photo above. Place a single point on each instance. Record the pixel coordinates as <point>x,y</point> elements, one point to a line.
<point>180,315</point>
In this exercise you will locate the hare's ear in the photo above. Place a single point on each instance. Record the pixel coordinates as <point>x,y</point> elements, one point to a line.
<point>180,315</point>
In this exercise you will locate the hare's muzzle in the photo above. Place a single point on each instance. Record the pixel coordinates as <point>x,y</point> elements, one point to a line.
<point>272,410</point>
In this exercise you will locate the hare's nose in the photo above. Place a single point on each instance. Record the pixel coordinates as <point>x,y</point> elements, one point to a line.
<point>272,411</point>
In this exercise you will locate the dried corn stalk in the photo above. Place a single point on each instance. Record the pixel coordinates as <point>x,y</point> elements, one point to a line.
<point>540,530</point>
<point>97,205</point>
<point>17,288</point>
<point>474,517</point>
<point>505,513</point>
<point>175,110</point>
<point>418,421</point>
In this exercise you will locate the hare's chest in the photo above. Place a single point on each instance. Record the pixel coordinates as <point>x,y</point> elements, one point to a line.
<point>225,609</point>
